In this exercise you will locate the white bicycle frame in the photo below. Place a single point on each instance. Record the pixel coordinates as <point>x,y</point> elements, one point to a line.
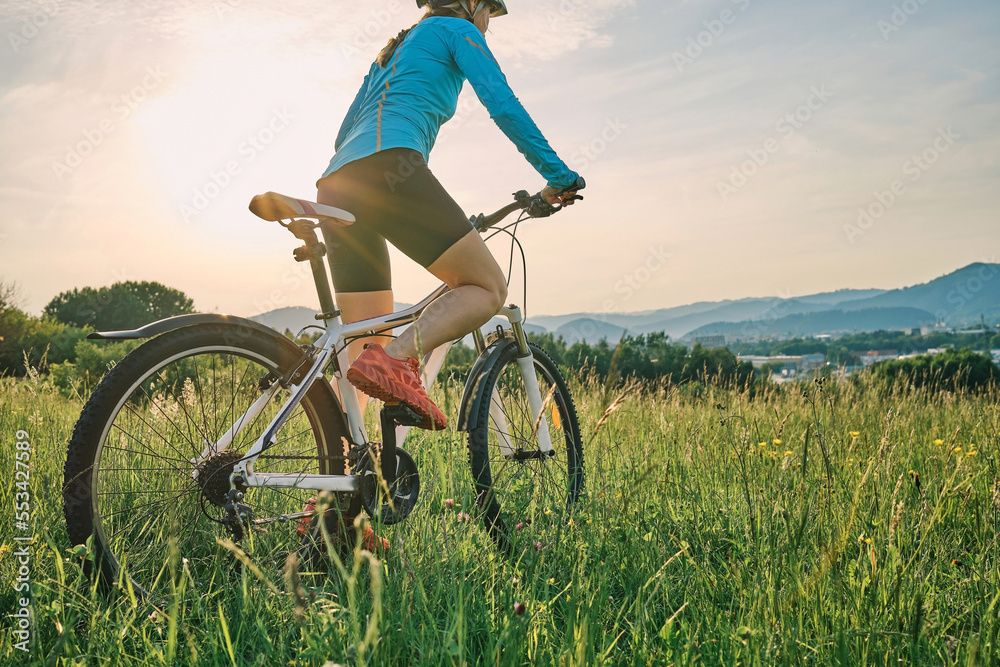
<point>331,343</point>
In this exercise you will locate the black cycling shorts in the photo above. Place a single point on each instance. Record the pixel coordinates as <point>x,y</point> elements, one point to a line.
<point>395,197</point>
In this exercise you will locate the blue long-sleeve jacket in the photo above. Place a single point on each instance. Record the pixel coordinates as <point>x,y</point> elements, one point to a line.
<point>404,104</point>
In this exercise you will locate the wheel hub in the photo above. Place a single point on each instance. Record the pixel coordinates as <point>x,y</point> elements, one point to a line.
<point>213,476</point>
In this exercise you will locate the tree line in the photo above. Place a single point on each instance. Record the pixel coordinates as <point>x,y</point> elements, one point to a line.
<point>57,340</point>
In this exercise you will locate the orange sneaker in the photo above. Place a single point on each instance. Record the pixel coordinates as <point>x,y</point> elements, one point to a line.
<point>303,528</point>
<point>374,543</point>
<point>395,381</point>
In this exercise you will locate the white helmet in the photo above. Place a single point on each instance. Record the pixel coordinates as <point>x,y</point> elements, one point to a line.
<point>497,7</point>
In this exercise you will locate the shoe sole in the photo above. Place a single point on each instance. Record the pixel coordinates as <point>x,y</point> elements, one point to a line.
<point>377,391</point>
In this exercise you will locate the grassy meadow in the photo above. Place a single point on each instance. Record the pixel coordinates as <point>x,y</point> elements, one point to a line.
<point>841,523</point>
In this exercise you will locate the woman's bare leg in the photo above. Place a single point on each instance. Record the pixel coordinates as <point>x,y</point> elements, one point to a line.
<point>478,292</point>
<point>355,306</point>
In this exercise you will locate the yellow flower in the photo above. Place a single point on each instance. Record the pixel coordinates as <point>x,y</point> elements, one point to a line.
<point>548,511</point>
<point>788,452</point>
<point>589,522</point>
<point>763,444</point>
<point>777,442</point>
<point>855,434</point>
<point>939,442</point>
<point>552,580</point>
<point>868,540</point>
<point>958,449</point>
<point>972,453</point>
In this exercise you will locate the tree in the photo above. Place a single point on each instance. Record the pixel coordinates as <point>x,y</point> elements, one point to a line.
<point>951,370</point>
<point>124,305</point>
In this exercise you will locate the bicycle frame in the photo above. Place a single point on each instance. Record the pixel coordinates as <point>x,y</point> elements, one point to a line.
<point>332,343</point>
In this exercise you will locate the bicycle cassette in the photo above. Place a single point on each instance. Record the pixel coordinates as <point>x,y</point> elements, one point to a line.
<point>404,490</point>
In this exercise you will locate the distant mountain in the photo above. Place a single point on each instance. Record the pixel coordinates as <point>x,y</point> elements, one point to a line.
<point>294,318</point>
<point>825,322</point>
<point>586,329</point>
<point>957,299</point>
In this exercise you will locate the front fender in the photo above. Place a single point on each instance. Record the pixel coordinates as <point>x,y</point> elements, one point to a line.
<point>475,388</point>
<point>170,323</point>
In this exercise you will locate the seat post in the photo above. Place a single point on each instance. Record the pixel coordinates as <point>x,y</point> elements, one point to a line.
<point>313,252</point>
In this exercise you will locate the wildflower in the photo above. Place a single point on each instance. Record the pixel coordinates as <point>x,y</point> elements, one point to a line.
<point>600,495</point>
<point>462,516</point>
<point>763,444</point>
<point>515,580</point>
<point>971,453</point>
<point>589,522</point>
<point>939,442</point>
<point>519,609</point>
<point>777,442</point>
<point>958,450</point>
<point>854,434</point>
<point>519,526</point>
<point>552,580</point>
<point>547,511</point>
<point>868,540</point>
<point>449,503</point>
<point>788,452</point>
<point>538,547</point>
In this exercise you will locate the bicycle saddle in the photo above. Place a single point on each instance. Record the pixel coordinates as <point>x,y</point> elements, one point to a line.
<point>274,207</point>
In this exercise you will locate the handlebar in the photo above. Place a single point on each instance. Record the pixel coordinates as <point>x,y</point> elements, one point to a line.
<point>534,206</point>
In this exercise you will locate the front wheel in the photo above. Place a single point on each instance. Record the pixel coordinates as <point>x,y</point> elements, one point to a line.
<point>519,485</point>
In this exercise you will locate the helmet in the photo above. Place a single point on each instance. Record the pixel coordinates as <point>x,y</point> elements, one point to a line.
<point>497,7</point>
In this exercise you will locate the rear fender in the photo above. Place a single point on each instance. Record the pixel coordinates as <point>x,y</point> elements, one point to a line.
<point>242,327</point>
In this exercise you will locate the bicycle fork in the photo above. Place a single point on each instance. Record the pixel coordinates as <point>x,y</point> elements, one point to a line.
<point>536,403</point>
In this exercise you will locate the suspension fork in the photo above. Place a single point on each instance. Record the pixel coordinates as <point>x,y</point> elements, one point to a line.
<point>526,363</point>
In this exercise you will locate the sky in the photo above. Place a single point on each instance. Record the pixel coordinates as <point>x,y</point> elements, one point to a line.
<point>732,148</point>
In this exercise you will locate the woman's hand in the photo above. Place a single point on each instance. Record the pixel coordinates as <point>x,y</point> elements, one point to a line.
<point>554,196</point>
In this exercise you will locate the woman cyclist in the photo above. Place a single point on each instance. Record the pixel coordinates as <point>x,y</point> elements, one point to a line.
<point>380,174</point>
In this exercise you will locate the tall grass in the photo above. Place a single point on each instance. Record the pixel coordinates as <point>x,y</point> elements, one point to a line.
<point>807,524</point>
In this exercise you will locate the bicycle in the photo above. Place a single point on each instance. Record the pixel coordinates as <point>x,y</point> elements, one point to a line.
<point>221,421</point>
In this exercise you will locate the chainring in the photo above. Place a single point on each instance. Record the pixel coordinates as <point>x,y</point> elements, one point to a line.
<point>405,490</point>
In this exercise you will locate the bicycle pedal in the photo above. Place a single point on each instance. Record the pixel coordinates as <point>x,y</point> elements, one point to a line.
<point>402,414</point>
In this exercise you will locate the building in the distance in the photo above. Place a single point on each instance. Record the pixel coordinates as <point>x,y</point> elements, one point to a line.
<point>711,342</point>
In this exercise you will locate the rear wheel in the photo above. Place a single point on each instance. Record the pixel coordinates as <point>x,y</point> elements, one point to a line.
<point>135,475</point>
<point>523,492</point>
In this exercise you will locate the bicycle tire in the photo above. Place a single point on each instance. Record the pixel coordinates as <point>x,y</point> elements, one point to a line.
<point>126,441</point>
<point>532,494</point>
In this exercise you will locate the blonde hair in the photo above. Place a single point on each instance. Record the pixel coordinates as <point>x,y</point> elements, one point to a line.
<point>455,9</point>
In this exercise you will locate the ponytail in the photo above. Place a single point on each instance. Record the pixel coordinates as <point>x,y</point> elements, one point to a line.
<point>386,55</point>
<point>456,10</point>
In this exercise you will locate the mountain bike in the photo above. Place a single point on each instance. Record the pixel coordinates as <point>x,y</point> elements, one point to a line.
<point>220,427</point>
